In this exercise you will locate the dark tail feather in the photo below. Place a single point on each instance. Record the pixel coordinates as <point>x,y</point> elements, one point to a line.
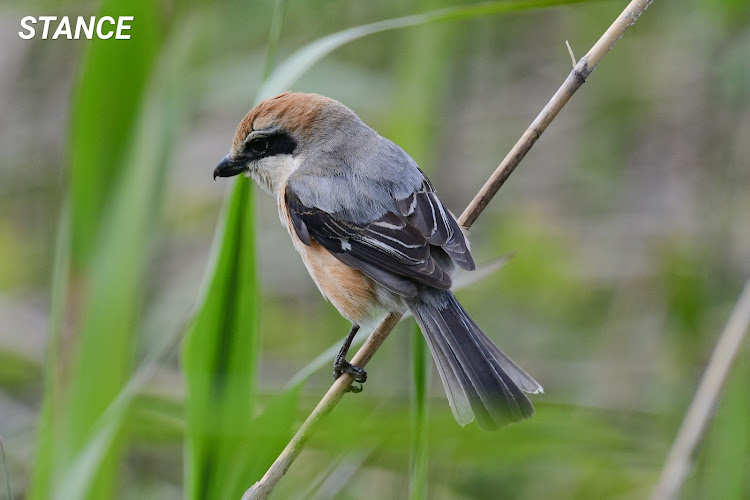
<point>480,380</point>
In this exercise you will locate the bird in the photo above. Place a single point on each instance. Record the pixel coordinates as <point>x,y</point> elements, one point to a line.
<point>376,239</point>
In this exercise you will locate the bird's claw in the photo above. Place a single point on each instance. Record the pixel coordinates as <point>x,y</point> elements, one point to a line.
<point>360,375</point>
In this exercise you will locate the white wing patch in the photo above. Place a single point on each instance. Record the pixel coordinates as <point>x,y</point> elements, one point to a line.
<point>388,225</point>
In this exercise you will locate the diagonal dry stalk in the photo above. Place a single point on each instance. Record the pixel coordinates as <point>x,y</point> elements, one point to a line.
<point>701,409</point>
<point>577,77</point>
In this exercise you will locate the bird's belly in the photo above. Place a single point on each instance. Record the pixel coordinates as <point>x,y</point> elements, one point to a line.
<point>348,289</point>
<point>354,295</point>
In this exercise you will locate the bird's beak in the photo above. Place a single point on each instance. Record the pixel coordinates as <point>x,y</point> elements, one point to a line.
<point>229,167</point>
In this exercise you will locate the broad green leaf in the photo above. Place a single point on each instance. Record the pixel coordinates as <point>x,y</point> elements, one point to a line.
<point>106,103</point>
<point>220,353</point>
<point>79,445</point>
<point>101,125</point>
<point>220,357</point>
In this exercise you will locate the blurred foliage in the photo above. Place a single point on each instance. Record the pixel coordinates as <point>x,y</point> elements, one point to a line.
<point>629,219</point>
<point>108,66</point>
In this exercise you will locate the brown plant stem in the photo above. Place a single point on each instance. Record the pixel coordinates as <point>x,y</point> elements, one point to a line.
<point>263,488</point>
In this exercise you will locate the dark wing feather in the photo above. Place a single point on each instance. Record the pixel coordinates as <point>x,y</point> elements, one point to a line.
<point>389,250</point>
<point>423,210</point>
<point>399,249</point>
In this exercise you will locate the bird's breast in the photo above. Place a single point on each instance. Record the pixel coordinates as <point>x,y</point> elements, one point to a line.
<point>348,289</point>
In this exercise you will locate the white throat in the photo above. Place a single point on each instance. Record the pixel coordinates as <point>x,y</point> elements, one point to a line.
<point>272,173</point>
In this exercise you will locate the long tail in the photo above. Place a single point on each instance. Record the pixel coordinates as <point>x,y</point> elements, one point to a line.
<point>481,381</point>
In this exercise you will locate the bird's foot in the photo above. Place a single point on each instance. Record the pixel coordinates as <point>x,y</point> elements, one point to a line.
<point>341,366</point>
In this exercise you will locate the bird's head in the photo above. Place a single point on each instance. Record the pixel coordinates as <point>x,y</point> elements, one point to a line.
<point>278,133</point>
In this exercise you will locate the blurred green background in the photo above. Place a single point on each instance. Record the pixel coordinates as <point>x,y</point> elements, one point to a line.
<point>630,219</point>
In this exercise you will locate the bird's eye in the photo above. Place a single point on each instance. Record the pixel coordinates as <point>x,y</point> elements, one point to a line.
<point>259,145</point>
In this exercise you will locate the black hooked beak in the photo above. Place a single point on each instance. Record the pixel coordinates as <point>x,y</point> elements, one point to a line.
<point>229,167</point>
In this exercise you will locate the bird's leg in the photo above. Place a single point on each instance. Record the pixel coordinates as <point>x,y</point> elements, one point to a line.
<point>341,365</point>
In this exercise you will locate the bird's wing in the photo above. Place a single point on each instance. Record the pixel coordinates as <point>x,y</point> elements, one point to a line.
<point>423,210</point>
<point>398,249</point>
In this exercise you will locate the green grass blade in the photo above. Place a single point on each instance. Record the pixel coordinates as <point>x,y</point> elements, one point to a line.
<point>305,58</point>
<point>279,7</point>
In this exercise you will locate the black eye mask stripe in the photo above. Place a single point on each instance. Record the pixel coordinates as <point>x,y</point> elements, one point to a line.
<point>277,143</point>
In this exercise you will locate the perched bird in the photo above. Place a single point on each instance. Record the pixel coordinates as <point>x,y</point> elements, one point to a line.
<point>376,239</point>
